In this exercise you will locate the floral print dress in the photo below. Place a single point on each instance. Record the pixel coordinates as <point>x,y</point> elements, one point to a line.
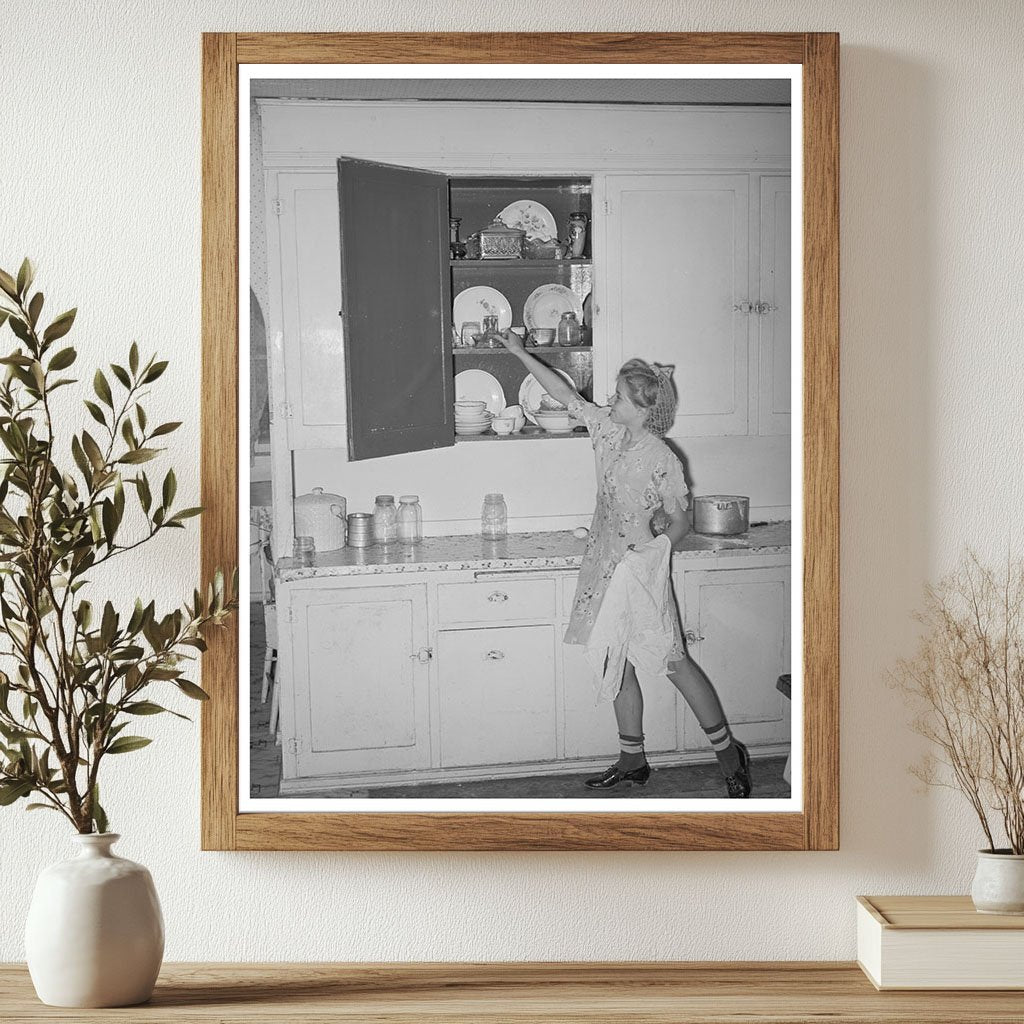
<point>631,483</point>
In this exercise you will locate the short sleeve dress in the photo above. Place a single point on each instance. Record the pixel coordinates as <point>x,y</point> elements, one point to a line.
<point>631,483</point>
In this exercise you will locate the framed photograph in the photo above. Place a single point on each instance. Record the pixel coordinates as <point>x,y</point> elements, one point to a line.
<point>520,419</point>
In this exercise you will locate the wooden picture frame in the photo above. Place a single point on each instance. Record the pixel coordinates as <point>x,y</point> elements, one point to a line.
<point>816,826</point>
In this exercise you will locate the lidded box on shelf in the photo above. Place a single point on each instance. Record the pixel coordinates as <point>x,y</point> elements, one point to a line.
<point>498,242</point>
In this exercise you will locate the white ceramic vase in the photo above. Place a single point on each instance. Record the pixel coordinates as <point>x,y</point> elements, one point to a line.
<point>95,933</point>
<point>999,883</point>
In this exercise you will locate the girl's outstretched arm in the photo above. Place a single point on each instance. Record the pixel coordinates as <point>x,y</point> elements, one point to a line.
<point>550,381</point>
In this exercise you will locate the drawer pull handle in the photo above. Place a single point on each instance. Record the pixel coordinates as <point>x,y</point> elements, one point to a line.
<point>497,597</point>
<point>495,655</point>
<point>423,655</point>
<point>692,636</point>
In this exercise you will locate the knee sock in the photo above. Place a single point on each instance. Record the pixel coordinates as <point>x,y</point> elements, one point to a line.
<point>631,752</point>
<point>721,739</point>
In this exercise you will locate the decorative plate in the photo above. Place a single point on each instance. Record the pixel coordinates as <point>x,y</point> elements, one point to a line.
<point>531,391</point>
<point>545,305</point>
<point>533,218</point>
<point>480,386</point>
<point>479,301</point>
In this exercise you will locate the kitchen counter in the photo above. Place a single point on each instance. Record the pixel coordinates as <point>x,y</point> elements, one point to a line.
<point>549,550</point>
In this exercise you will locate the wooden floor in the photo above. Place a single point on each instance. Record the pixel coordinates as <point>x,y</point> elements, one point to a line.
<point>689,782</point>
<point>523,993</point>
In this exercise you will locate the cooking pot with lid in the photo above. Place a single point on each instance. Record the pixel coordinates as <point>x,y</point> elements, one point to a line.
<point>321,515</point>
<point>721,514</point>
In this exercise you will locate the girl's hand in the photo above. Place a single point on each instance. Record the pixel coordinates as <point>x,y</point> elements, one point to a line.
<point>511,341</point>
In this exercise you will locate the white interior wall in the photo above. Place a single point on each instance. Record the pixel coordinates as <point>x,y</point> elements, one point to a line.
<point>103,188</point>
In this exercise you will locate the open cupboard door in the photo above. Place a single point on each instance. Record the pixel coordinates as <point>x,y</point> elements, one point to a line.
<point>396,308</point>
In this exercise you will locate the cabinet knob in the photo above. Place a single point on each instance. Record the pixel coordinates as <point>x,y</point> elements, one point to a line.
<point>746,306</point>
<point>495,655</point>
<point>497,597</point>
<point>423,655</point>
<point>692,636</point>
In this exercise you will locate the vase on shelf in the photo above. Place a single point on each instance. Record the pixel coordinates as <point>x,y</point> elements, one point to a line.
<point>577,234</point>
<point>95,934</point>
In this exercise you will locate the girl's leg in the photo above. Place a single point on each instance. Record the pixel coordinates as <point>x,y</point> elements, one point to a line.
<point>629,716</point>
<point>692,682</point>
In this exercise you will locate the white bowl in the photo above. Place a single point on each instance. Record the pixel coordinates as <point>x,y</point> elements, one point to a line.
<point>503,424</point>
<point>465,405</point>
<point>463,429</point>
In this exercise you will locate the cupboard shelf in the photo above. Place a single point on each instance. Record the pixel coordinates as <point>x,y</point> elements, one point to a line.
<point>517,264</point>
<point>534,350</point>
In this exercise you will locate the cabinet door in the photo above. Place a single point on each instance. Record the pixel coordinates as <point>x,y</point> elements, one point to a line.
<point>739,630</point>
<point>396,308</point>
<point>361,686</point>
<point>774,353</point>
<point>496,694</point>
<point>678,258</point>
<point>307,386</point>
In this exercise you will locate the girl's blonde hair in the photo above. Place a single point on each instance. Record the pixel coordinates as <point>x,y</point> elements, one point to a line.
<point>650,387</point>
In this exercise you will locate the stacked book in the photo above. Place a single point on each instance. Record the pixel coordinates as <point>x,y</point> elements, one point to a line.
<point>938,942</point>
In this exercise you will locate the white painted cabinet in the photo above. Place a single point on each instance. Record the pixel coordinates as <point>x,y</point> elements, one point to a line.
<point>360,657</point>
<point>460,675</point>
<point>496,695</point>
<point>775,318</point>
<point>737,625</point>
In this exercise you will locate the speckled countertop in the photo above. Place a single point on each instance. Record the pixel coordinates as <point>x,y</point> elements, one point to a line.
<point>553,550</point>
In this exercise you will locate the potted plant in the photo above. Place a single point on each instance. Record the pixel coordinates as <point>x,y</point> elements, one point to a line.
<point>79,671</point>
<point>967,682</point>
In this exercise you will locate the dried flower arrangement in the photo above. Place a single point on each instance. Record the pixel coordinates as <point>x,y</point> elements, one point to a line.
<point>967,682</point>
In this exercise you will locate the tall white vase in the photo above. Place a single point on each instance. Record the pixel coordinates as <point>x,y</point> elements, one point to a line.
<point>95,933</point>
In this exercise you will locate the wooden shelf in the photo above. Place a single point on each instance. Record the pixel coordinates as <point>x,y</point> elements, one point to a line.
<point>534,350</point>
<point>521,264</point>
<point>524,993</point>
<point>537,434</point>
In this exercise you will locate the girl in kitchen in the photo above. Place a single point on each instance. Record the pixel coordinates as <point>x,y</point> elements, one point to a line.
<point>641,491</point>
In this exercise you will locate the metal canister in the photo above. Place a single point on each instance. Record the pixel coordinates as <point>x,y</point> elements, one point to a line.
<point>721,514</point>
<point>360,530</point>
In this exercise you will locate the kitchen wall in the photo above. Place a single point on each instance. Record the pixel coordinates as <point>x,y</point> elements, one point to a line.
<point>102,187</point>
<point>546,487</point>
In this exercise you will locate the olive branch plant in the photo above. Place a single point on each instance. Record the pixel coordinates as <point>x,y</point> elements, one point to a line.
<point>79,675</point>
<point>966,681</point>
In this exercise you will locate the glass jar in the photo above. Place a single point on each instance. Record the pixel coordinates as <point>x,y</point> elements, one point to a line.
<point>304,551</point>
<point>494,518</point>
<point>385,520</point>
<point>568,332</point>
<point>410,519</point>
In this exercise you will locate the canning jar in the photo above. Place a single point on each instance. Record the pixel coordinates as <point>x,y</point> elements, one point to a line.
<point>410,519</point>
<point>568,332</point>
<point>385,520</point>
<point>494,518</point>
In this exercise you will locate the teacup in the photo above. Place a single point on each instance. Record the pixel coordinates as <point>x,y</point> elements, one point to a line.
<point>515,412</point>
<point>503,424</point>
<point>543,335</point>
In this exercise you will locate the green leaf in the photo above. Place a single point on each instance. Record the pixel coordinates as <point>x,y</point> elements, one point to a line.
<point>8,284</point>
<point>102,388</point>
<point>170,488</point>
<point>185,513</point>
<point>80,459</point>
<point>109,521</point>
<point>128,433</point>
<point>144,707</point>
<point>140,415</point>
<point>11,791</point>
<point>133,358</point>
<point>26,274</point>
<point>60,326</point>
<point>99,817</point>
<point>139,455</point>
<point>108,627</point>
<point>95,412</point>
<point>154,372</point>
<point>191,690</point>
<point>92,449</point>
<point>63,359</point>
<point>121,374</point>
<point>126,744</point>
<point>165,428</point>
<point>20,329</point>
<point>34,308</point>
<point>145,498</point>
<point>42,807</point>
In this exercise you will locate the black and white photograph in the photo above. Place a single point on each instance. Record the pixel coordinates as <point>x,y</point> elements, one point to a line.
<point>524,507</point>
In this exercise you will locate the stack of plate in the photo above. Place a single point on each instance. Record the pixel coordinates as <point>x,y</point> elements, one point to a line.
<point>471,418</point>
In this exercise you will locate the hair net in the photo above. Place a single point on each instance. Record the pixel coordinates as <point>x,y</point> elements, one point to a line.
<point>663,412</point>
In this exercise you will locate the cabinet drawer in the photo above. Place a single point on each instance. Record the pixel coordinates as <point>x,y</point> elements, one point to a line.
<point>496,601</point>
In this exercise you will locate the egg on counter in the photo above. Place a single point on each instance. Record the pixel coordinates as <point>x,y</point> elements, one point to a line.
<point>581,533</point>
